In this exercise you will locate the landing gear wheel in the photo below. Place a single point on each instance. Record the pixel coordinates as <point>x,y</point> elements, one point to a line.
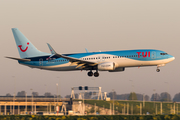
<point>90,74</point>
<point>158,70</point>
<point>96,74</point>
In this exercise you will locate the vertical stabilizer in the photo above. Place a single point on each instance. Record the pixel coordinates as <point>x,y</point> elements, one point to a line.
<point>25,47</point>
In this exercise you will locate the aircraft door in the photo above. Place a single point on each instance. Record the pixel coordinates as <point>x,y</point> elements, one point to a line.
<point>40,62</point>
<point>153,55</point>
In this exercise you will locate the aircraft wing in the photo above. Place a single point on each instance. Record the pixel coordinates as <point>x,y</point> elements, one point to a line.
<point>74,61</point>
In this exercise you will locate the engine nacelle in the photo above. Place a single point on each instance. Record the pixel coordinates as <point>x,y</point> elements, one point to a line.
<point>106,66</point>
<point>119,69</point>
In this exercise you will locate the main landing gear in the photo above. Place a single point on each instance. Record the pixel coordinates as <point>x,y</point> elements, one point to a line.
<point>90,74</point>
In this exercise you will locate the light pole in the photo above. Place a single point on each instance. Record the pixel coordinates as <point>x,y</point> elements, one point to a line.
<point>32,99</point>
<point>131,89</point>
<point>143,101</point>
<point>14,84</point>
<point>14,93</point>
<point>57,108</point>
<point>83,103</point>
<point>93,96</point>
<point>26,104</point>
<point>59,87</point>
<point>113,101</point>
<point>45,95</point>
<point>57,92</point>
<point>13,103</point>
<point>154,96</point>
<point>54,103</point>
<point>168,99</point>
<point>45,90</point>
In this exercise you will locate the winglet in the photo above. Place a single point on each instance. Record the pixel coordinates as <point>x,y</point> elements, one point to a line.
<point>86,50</point>
<point>51,49</point>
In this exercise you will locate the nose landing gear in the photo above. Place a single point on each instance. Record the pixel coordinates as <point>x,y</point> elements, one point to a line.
<point>158,70</point>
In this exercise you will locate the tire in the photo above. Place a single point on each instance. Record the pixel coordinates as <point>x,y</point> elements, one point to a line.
<point>90,74</point>
<point>158,70</point>
<point>96,74</point>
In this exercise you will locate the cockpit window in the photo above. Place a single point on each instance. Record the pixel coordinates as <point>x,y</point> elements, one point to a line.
<point>163,53</point>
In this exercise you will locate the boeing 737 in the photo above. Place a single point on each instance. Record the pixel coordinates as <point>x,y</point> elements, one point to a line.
<point>112,61</point>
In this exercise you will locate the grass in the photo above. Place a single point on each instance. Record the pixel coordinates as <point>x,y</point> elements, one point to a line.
<point>149,106</point>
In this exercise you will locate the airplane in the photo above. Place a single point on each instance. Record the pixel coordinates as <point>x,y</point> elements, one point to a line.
<point>112,61</point>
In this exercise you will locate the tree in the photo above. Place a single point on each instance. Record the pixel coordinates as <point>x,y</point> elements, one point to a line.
<point>47,94</point>
<point>177,97</point>
<point>146,97</point>
<point>112,95</point>
<point>87,95</point>
<point>8,94</point>
<point>155,97</point>
<point>22,93</point>
<point>165,96</point>
<point>122,97</point>
<point>132,96</point>
<point>69,96</point>
<point>35,93</point>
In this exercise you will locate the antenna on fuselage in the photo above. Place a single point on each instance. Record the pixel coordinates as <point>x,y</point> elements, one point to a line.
<point>86,50</point>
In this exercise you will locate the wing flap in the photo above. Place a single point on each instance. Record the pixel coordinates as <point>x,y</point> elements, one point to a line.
<point>80,65</point>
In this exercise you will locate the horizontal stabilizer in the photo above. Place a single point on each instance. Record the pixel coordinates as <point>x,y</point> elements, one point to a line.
<point>19,59</point>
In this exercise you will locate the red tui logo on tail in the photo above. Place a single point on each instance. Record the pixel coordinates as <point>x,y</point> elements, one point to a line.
<point>24,49</point>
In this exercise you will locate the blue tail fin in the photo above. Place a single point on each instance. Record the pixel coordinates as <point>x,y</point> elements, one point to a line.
<point>25,47</point>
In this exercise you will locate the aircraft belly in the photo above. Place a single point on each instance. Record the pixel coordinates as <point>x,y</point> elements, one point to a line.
<point>136,63</point>
<point>61,67</point>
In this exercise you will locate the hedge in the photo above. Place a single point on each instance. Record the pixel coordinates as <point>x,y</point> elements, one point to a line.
<point>91,117</point>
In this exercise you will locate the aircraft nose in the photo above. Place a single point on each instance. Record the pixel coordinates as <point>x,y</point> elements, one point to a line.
<point>173,58</point>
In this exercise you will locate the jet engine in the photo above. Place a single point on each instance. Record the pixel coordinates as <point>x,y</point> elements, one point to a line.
<point>106,66</point>
<point>119,69</point>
